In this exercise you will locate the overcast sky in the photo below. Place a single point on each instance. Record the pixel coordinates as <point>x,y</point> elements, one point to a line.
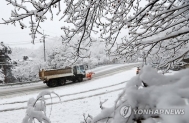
<point>15,36</point>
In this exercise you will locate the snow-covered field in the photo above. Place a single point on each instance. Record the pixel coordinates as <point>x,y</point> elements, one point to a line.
<point>76,99</point>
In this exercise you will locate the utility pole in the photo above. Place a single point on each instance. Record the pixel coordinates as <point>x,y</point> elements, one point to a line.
<point>44,46</point>
<point>44,36</point>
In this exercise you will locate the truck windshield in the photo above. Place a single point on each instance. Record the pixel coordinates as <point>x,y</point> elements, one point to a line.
<point>81,67</point>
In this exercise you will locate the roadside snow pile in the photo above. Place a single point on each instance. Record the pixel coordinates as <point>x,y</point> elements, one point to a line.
<point>151,97</point>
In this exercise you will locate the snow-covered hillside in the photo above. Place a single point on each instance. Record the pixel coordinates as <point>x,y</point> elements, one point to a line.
<point>57,56</point>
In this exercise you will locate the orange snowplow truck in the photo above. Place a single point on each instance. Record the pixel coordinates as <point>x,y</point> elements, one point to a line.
<point>55,77</point>
<point>89,75</point>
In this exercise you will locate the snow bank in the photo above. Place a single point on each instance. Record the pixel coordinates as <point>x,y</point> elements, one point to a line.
<point>160,92</point>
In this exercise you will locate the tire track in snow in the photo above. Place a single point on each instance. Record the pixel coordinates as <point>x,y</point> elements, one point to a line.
<point>71,93</point>
<point>69,100</point>
<point>99,75</point>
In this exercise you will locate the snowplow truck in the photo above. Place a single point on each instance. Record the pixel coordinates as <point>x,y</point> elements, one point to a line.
<point>58,77</point>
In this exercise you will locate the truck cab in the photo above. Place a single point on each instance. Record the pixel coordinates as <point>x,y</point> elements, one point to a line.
<point>79,70</point>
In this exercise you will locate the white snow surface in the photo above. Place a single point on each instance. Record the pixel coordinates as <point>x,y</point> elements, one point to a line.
<point>109,67</point>
<point>71,109</point>
<point>157,92</point>
<point>85,97</point>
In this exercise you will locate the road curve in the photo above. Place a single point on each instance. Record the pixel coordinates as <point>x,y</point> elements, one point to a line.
<point>40,86</point>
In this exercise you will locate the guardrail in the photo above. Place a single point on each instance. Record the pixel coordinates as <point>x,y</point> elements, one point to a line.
<point>19,83</point>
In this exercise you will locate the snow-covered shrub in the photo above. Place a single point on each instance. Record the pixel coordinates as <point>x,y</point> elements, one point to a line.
<point>5,66</point>
<point>28,70</point>
<point>36,108</point>
<point>98,55</point>
<point>151,91</point>
<point>58,56</point>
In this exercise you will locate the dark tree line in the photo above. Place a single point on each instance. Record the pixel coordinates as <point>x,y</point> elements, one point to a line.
<point>5,63</point>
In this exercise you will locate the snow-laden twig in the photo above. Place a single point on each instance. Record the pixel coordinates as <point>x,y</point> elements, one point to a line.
<point>36,108</point>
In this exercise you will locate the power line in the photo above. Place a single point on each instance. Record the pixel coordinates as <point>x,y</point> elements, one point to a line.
<point>52,32</point>
<point>27,42</point>
<point>24,44</point>
<point>21,42</point>
<point>14,33</point>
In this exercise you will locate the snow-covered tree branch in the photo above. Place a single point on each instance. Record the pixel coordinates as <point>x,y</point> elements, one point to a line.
<point>155,27</point>
<point>160,28</point>
<point>36,108</point>
<point>158,102</point>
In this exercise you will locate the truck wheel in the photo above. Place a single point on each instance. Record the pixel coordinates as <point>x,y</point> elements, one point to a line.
<point>74,80</point>
<point>61,82</point>
<point>53,83</point>
<point>80,79</point>
<point>48,84</point>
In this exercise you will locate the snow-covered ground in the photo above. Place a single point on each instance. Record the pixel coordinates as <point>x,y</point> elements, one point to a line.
<point>95,70</point>
<point>76,99</point>
<point>110,67</point>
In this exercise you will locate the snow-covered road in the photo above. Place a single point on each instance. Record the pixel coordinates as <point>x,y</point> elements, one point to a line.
<point>76,99</point>
<point>37,87</point>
